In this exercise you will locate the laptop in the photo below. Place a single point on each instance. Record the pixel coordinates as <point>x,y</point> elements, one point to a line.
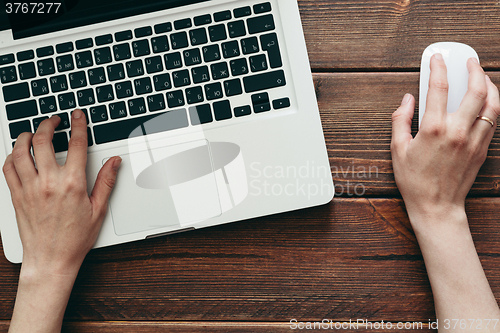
<point>210,104</point>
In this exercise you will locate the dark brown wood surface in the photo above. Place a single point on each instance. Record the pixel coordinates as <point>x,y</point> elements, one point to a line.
<point>354,258</point>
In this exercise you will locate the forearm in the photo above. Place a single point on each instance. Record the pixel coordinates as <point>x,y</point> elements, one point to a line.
<point>41,302</point>
<point>461,290</point>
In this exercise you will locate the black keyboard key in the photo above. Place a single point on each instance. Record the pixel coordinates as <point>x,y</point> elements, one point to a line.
<point>7,59</point>
<point>143,86</point>
<point>162,82</point>
<point>281,103</point>
<point>44,51</point>
<point>258,63</point>
<point>37,122</point>
<point>156,103</point>
<point>103,40</point>
<point>230,49</point>
<point>141,48</point>
<point>39,87</point>
<point>217,32</point>
<point>21,110</point>
<point>25,55</point>
<point>77,80</point>
<point>194,95</point>
<point>163,27</point>
<point>102,55</point>
<point>181,78</point>
<point>154,65</point>
<point>58,83</point>
<point>262,8</point>
<point>86,97</point>
<point>239,67</point>
<point>213,91</point>
<point>242,111</point>
<point>264,81</point>
<point>48,104</point>
<point>115,72</point>
<point>211,53</point>
<point>219,71</point>
<point>84,59</point>
<point>175,99</point>
<point>16,92</point>
<point>261,103</point>
<point>124,89</point>
<point>123,35</point>
<point>183,24</point>
<point>160,44</point>
<point>64,47</point>
<point>222,16</point>
<point>8,74</point>
<point>200,114</point>
<point>173,60</point>
<point>98,114</point>
<point>135,68</point>
<point>143,32</point>
<point>84,43</point>
<point>20,127</point>
<point>64,124</point>
<point>242,12</point>
<point>27,70</point>
<point>179,40</point>
<point>250,45</point>
<point>67,101</point>
<point>236,29</point>
<point>105,93</point>
<point>121,130</point>
<point>233,87</point>
<point>200,74</point>
<point>65,63</point>
<point>198,36</point>
<point>222,110</point>
<point>117,110</point>
<point>46,67</point>
<point>122,52</point>
<point>60,142</point>
<point>192,57</point>
<point>269,43</point>
<point>202,20</point>
<point>86,117</point>
<point>97,75</point>
<point>135,106</point>
<point>260,24</point>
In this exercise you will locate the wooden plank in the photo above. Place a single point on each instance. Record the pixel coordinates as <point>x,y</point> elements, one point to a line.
<point>392,34</point>
<point>356,111</point>
<point>352,258</point>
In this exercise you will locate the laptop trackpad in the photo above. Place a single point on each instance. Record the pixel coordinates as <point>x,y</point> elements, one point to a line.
<point>165,187</point>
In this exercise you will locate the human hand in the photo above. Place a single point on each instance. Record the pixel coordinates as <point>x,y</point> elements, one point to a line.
<point>435,170</point>
<point>58,221</point>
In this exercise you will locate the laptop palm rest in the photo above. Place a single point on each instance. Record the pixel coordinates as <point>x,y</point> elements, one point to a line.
<point>165,187</point>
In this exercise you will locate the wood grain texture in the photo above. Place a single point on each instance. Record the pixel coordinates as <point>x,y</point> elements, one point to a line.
<point>392,34</point>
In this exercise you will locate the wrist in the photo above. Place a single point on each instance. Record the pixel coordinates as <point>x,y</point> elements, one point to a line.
<point>428,220</point>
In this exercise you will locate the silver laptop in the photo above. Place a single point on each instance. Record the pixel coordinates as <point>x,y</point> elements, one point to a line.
<point>210,104</point>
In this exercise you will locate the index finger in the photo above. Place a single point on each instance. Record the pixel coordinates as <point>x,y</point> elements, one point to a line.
<point>77,146</point>
<point>437,96</point>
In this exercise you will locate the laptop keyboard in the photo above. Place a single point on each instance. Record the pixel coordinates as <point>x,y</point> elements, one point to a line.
<point>189,67</point>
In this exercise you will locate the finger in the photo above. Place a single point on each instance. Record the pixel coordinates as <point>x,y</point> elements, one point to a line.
<point>476,95</point>
<point>43,148</point>
<point>104,185</point>
<point>491,110</point>
<point>23,161</point>
<point>11,176</point>
<point>437,96</point>
<point>77,147</point>
<point>401,122</point>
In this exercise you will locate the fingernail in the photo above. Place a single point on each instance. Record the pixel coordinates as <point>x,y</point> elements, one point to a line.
<point>488,78</point>
<point>116,163</point>
<point>475,60</point>
<point>406,99</point>
<point>438,56</point>
<point>77,114</point>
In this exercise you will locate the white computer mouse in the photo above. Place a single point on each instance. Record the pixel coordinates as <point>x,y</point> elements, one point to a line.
<point>455,56</point>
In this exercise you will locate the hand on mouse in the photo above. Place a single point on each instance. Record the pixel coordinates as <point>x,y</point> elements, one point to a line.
<point>434,172</point>
<point>58,221</point>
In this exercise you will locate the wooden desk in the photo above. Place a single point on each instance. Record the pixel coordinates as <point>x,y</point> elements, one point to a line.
<point>356,257</point>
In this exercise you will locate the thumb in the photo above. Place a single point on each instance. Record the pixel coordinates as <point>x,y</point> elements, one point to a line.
<point>401,123</point>
<point>104,185</point>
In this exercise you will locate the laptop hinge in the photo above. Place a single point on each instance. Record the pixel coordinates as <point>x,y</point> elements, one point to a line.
<point>170,233</point>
